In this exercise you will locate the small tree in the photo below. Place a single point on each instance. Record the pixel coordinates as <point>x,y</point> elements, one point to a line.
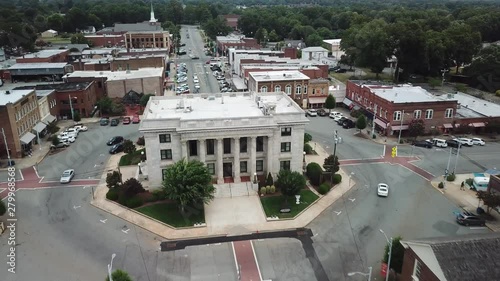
<point>119,275</point>
<point>331,164</point>
<point>416,127</point>
<point>113,180</point>
<point>144,99</point>
<point>491,200</point>
<point>397,256</point>
<point>290,183</point>
<point>361,122</point>
<point>132,187</point>
<point>117,108</point>
<point>128,146</point>
<point>105,105</point>
<point>77,117</point>
<point>55,140</point>
<point>313,172</point>
<point>308,148</point>
<point>140,141</point>
<point>3,209</point>
<point>269,179</point>
<point>330,103</point>
<point>307,138</point>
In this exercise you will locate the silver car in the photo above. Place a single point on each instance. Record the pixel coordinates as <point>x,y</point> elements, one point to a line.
<point>67,176</point>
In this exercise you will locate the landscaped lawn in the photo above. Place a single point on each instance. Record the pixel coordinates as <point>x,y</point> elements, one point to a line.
<point>169,213</point>
<point>273,204</point>
<point>131,159</point>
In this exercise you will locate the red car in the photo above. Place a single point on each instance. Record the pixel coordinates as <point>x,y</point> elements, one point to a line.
<point>126,120</point>
<point>135,119</point>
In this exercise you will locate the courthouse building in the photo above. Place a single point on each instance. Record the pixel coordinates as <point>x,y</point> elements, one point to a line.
<point>237,135</point>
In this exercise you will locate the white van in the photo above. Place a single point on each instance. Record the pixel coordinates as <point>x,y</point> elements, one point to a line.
<point>481,183</point>
<point>439,143</point>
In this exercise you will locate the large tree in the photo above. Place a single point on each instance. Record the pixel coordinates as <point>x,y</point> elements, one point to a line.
<point>397,255</point>
<point>462,43</point>
<point>361,122</point>
<point>331,164</point>
<point>188,183</point>
<point>416,127</point>
<point>290,183</point>
<point>330,103</point>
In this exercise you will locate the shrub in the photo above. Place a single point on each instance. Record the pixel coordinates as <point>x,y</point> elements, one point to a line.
<point>132,187</point>
<point>273,189</point>
<point>497,93</point>
<point>313,172</point>
<point>55,140</point>
<point>461,88</point>
<point>324,188</point>
<point>355,113</point>
<point>451,177</point>
<point>113,179</point>
<point>140,141</point>
<point>268,189</point>
<point>337,178</point>
<point>112,195</point>
<point>2,208</point>
<point>122,199</point>
<point>263,190</point>
<point>469,181</point>
<point>128,147</point>
<point>77,117</point>
<point>134,202</point>
<point>441,185</point>
<point>158,195</point>
<point>269,179</point>
<point>308,149</point>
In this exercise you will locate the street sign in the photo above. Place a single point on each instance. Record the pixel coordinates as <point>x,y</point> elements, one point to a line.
<point>394,151</point>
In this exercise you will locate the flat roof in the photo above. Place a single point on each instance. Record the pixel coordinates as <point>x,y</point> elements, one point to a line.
<point>13,96</point>
<point>36,65</point>
<point>44,54</point>
<point>120,75</point>
<point>475,105</point>
<point>43,93</point>
<point>403,93</point>
<point>97,51</point>
<point>332,41</point>
<point>278,75</point>
<point>314,49</point>
<point>224,106</point>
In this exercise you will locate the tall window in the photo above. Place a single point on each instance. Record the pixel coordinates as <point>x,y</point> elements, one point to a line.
<point>313,91</point>
<point>286,131</point>
<point>286,146</point>
<point>285,165</point>
<point>164,138</point>
<point>448,113</point>
<point>298,90</point>
<point>243,145</point>
<point>417,114</point>
<point>166,154</point>
<point>288,89</point>
<point>416,271</point>
<point>227,146</point>
<point>211,168</point>
<point>305,89</point>
<point>210,146</point>
<point>397,115</point>
<point>243,167</point>
<point>263,89</point>
<point>193,147</point>
<point>259,165</point>
<point>260,144</point>
<point>381,111</point>
<point>277,88</point>
<point>429,113</point>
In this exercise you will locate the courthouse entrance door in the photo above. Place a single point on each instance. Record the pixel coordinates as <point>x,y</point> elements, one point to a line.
<point>227,169</point>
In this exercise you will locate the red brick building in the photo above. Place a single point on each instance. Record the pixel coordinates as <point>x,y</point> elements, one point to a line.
<point>106,40</point>
<point>51,56</point>
<point>235,41</point>
<point>232,21</point>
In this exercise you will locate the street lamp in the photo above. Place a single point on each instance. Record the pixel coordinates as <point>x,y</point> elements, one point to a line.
<point>401,127</point>
<point>71,106</point>
<point>140,171</point>
<point>350,176</point>
<point>110,267</point>
<point>142,156</point>
<point>390,254</point>
<point>369,274</point>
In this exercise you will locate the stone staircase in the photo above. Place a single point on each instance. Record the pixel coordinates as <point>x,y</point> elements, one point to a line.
<point>228,190</point>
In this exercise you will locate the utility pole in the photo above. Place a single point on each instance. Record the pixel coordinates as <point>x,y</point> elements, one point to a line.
<point>71,106</point>
<point>456,158</point>
<point>6,147</point>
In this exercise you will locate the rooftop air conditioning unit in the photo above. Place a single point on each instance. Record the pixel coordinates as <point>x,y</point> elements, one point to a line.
<point>211,98</point>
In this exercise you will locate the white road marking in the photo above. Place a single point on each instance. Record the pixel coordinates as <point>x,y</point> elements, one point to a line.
<point>101,155</point>
<point>103,221</point>
<point>126,231</point>
<point>76,207</point>
<point>85,186</point>
<point>96,165</point>
<point>338,213</point>
<point>478,227</point>
<point>352,199</point>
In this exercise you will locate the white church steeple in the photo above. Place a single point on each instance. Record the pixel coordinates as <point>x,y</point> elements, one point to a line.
<point>152,14</point>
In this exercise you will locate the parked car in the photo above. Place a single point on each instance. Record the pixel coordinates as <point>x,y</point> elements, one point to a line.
<point>341,70</point>
<point>312,112</point>
<point>104,121</point>
<point>196,80</point>
<point>383,190</point>
<point>59,145</point>
<point>115,140</point>
<point>341,120</point>
<point>338,117</point>
<point>67,176</point>
<point>322,112</point>
<point>423,143</point>
<point>334,68</point>
<point>439,142</point>
<point>348,124</point>
<point>465,141</point>
<point>468,218</point>
<point>334,114</point>
<point>115,122</point>
<point>66,138</point>
<point>478,141</point>
<point>126,120</point>
<point>81,127</point>
<point>453,143</point>
<point>136,120</point>
<point>72,131</point>
<point>117,148</point>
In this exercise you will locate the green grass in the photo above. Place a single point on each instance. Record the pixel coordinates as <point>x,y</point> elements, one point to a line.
<point>131,159</point>
<point>343,77</point>
<point>169,213</point>
<point>273,204</point>
<point>56,39</point>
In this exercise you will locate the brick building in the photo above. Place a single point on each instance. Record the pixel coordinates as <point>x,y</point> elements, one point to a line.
<point>147,39</point>
<point>232,21</point>
<point>51,56</point>
<point>317,92</point>
<point>48,105</point>
<point>223,43</point>
<point>457,258</point>
<point>293,83</point>
<point>106,40</point>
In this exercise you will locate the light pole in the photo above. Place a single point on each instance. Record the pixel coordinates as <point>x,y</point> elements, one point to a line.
<point>110,267</point>
<point>369,274</point>
<point>390,254</point>
<point>71,106</point>
<point>401,127</point>
<point>335,141</point>
<point>456,158</point>
<point>9,162</point>
<point>350,176</point>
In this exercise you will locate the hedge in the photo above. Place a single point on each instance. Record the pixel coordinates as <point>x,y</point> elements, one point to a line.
<point>324,188</point>
<point>313,172</point>
<point>112,195</point>
<point>134,202</point>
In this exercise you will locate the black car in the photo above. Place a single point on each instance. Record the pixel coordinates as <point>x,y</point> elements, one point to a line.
<point>116,148</point>
<point>341,70</point>
<point>348,124</point>
<point>322,112</point>
<point>341,120</point>
<point>115,140</point>
<point>467,218</point>
<point>115,122</point>
<point>104,121</point>
<point>423,143</point>
<point>334,68</point>
<point>453,143</point>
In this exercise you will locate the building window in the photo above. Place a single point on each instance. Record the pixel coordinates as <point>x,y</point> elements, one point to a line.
<point>260,144</point>
<point>288,89</point>
<point>298,89</point>
<point>397,115</point>
<point>381,112</point>
<point>263,89</point>
<point>243,166</point>
<point>305,89</point>
<point>163,174</point>
<point>243,145</point>
<point>448,113</point>
<point>429,113</point>
<point>164,138</point>
<point>211,168</point>
<point>286,131</point>
<point>313,91</point>
<point>259,165</point>
<point>193,147</point>
<point>416,271</point>
<point>417,114</point>
<point>210,147</point>
<point>166,154</point>
<point>285,165</point>
<point>227,146</point>
<point>286,146</point>
<point>277,88</point>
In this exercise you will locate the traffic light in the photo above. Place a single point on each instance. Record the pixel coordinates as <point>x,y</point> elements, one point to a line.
<point>394,151</point>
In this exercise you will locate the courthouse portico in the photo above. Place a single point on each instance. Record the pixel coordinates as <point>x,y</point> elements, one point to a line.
<point>237,135</point>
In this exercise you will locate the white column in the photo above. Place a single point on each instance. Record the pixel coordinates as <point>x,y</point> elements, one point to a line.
<point>220,172</point>
<point>202,150</point>
<point>236,160</point>
<point>253,157</point>
<point>184,149</point>
<point>270,143</point>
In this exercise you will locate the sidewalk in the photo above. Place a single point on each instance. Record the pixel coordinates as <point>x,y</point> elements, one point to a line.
<point>320,155</point>
<point>467,199</point>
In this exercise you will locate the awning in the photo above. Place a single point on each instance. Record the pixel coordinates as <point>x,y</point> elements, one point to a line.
<point>27,138</point>
<point>398,127</point>
<point>347,101</point>
<point>49,119</point>
<point>381,123</point>
<point>477,125</point>
<point>316,100</point>
<point>39,127</point>
<point>448,126</point>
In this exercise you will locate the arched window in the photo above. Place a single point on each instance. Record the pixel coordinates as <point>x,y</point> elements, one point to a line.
<point>298,90</point>
<point>277,88</point>
<point>288,89</point>
<point>263,89</point>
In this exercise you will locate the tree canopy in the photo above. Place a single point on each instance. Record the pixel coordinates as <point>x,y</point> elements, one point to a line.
<point>290,183</point>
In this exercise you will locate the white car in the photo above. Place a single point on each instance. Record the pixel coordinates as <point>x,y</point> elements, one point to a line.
<point>478,141</point>
<point>67,138</point>
<point>195,80</point>
<point>338,117</point>
<point>383,190</point>
<point>67,176</point>
<point>334,114</point>
<point>312,112</point>
<point>465,141</point>
<point>197,86</point>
